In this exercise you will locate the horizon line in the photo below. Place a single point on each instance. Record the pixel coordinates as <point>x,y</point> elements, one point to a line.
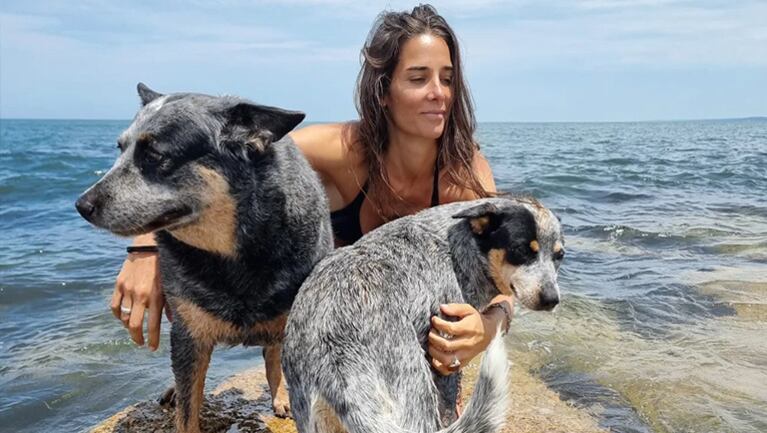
<point>478,122</point>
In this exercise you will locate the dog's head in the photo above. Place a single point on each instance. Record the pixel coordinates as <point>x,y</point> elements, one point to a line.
<point>166,176</point>
<point>523,244</point>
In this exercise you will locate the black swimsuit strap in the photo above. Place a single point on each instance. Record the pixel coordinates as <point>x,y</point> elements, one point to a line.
<point>435,185</point>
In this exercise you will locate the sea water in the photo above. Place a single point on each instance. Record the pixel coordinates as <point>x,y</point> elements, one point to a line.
<point>663,320</point>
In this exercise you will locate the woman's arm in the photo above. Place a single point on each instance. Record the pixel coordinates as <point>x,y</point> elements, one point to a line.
<point>472,333</point>
<point>466,338</point>
<point>138,289</point>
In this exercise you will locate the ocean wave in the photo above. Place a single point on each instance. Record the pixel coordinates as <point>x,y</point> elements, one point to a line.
<point>619,161</point>
<point>621,197</point>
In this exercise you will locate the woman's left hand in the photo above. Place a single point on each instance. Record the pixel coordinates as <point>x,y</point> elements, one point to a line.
<point>466,338</point>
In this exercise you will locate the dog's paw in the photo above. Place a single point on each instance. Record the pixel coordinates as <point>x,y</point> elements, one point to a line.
<point>281,407</point>
<point>168,398</point>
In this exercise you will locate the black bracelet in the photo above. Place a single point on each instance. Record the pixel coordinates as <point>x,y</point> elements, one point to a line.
<point>142,249</point>
<point>504,306</point>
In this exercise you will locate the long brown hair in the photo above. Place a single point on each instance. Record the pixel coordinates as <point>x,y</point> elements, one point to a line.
<point>379,56</point>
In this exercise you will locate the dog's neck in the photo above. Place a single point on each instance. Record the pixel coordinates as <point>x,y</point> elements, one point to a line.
<point>470,266</point>
<point>215,229</point>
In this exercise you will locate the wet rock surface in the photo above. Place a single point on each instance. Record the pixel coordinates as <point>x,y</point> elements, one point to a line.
<point>242,405</point>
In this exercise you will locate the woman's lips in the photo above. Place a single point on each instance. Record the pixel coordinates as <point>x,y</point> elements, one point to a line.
<point>435,115</point>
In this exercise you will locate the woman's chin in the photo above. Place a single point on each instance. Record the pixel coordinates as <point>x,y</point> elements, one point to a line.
<point>433,132</point>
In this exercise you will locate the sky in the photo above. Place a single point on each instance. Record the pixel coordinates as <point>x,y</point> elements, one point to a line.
<point>525,60</point>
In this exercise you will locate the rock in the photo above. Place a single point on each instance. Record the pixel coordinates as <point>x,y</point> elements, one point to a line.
<point>242,404</point>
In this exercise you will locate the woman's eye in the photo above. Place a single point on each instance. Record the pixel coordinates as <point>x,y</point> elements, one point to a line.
<point>417,80</point>
<point>447,81</point>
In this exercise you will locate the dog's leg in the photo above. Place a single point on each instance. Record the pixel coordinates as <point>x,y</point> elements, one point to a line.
<point>324,418</point>
<point>280,401</point>
<point>168,398</point>
<point>190,359</point>
<point>448,388</point>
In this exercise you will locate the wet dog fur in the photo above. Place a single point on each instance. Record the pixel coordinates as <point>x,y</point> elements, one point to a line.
<point>355,349</point>
<point>240,219</point>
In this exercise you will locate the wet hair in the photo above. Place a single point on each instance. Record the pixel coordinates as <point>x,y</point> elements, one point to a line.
<point>379,56</point>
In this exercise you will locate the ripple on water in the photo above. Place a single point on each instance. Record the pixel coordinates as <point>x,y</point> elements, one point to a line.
<point>742,289</point>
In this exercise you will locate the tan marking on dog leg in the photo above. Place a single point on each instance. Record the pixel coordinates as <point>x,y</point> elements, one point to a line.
<point>280,401</point>
<point>214,230</point>
<point>273,330</point>
<point>206,330</point>
<point>198,393</point>
<point>325,419</point>
<point>203,326</point>
<point>479,224</point>
<point>500,271</point>
<point>534,246</point>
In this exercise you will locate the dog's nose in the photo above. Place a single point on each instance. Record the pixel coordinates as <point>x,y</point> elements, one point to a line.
<point>85,207</point>
<point>548,299</point>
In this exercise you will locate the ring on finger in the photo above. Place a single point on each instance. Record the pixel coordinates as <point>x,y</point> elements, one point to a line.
<point>124,309</point>
<point>455,363</point>
<point>445,335</point>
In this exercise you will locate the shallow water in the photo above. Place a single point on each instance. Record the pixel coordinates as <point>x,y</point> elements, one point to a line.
<point>661,328</point>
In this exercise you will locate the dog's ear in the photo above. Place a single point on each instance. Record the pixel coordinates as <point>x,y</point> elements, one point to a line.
<point>146,94</point>
<point>483,218</point>
<point>257,125</point>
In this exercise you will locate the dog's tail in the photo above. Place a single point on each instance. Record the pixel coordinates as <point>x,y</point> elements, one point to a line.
<point>486,411</point>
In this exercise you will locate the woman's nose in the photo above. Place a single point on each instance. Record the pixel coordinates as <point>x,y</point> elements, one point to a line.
<point>436,90</point>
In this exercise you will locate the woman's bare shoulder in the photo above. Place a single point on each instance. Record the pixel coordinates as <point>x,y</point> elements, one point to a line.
<point>326,146</point>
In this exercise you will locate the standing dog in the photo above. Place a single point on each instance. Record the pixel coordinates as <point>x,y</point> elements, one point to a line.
<point>355,343</point>
<point>240,220</point>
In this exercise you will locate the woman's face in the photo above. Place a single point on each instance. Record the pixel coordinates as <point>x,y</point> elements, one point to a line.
<point>421,88</point>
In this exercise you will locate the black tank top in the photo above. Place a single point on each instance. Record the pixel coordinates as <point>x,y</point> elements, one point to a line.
<point>346,221</point>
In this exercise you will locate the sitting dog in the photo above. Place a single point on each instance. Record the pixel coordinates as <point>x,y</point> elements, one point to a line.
<point>355,343</point>
<point>240,220</point>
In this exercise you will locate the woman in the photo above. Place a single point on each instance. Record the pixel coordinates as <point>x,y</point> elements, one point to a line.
<point>411,149</point>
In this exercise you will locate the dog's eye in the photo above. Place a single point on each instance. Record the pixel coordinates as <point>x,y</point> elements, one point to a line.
<point>559,255</point>
<point>153,156</point>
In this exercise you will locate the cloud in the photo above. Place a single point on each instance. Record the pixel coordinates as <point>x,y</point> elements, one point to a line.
<point>164,37</point>
<point>524,33</point>
<point>56,52</point>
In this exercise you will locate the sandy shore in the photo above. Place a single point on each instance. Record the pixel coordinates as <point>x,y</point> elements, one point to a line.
<point>241,404</point>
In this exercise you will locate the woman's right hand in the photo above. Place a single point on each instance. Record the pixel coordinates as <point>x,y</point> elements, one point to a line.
<point>138,289</point>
